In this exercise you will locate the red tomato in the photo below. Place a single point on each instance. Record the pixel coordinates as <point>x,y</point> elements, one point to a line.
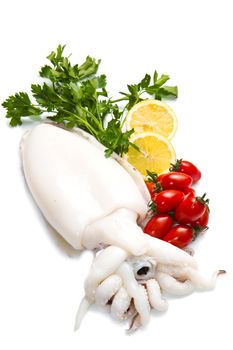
<point>202,222</point>
<point>150,187</point>
<point>175,181</point>
<point>180,236</point>
<point>190,209</point>
<point>188,168</point>
<point>161,176</point>
<point>189,190</point>
<point>159,225</point>
<point>168,200</point>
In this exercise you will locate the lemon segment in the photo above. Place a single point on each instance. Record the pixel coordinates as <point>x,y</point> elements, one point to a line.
<point>152,116</point>
<point>156,153</point>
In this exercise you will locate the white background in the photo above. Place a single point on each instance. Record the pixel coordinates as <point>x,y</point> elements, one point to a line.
<point>41,279</point>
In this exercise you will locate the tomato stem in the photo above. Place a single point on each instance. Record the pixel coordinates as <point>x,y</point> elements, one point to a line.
<point>152,207</point>
<point>153,177</point>
<point>199,229</point>
<point>203,200</point>
<point>176,165</point>
<point>171,214</point>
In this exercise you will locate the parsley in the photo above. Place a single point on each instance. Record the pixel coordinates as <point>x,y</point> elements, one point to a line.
<point>75,96</point>
<point>157,89</point>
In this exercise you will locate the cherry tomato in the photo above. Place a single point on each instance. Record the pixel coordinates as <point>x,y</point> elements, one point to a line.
<point>150,187</point>
<point>189,190</point>
<point>167,200</point>
<point>161,176</point>
<point>159,225</point>
<point>202,222</point>
<point>180,236</point>
<point>188,168</point>
<point>175,181</point>
<point>190,209</point>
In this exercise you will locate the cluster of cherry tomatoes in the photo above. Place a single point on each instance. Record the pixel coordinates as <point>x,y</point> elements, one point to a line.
<point>178,215</point>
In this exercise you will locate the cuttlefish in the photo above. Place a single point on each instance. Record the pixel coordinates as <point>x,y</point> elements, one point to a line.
<point>101,203</point>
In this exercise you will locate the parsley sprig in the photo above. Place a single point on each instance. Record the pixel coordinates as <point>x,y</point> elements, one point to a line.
<point>157,89</point>
<point>75,96</point>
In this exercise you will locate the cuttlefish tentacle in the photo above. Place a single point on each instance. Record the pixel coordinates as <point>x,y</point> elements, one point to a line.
<point>156,299</point>
<point>136,291</point>
<point>105,264</point>
<point>107,289</point>
<point>170,285</point>
<point>166,253</point>
<point>198,281</point>
<point>121,304</point>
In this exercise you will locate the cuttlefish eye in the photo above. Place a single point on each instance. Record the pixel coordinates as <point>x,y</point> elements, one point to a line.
<point>143,269</point>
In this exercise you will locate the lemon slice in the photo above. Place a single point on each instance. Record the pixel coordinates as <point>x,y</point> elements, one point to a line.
<point>152,116</point>
<point>156,153</point>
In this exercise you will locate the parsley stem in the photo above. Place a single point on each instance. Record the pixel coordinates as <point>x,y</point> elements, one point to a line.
<point>83,121</point>
<point>98,123</point>
<point>124,118</point>
<point>120,99</point>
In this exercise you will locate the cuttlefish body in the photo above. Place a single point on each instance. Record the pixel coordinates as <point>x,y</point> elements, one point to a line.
<point>99,202</point>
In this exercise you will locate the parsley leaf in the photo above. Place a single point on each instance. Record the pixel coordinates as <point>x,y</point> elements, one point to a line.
<point>62,71</point>
<point>157,89</point>
<point>19,106</point>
